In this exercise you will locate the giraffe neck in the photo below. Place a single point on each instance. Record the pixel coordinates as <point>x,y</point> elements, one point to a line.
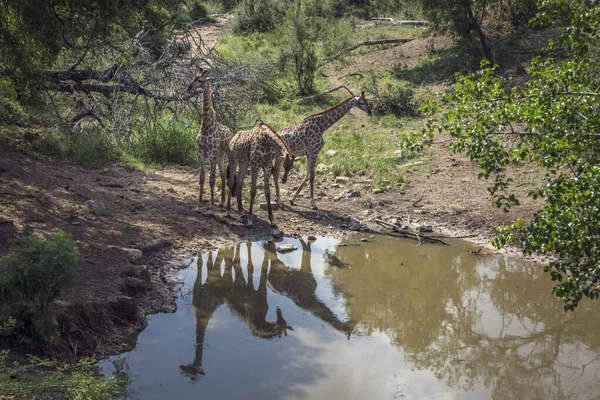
<point>327,118</point>
<point>208,112</point>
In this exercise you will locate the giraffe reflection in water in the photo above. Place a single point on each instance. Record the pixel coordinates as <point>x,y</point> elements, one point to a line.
<point>250,304</point>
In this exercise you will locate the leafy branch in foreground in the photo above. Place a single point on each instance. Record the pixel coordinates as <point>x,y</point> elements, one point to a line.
<point>551,120</point>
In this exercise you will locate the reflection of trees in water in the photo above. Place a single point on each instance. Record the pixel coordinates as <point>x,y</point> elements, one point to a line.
<point>250,304</point>
<point>471,319</point>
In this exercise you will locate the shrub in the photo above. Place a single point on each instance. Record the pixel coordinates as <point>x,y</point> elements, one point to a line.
<point>48,379</point>
<point>257,16</point>
<point>395,97</point>
<point>36,271</point>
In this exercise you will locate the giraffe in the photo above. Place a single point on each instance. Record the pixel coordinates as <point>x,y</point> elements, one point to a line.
<point>212,145</point>
<point>306,139</point>
<point>258,149</point>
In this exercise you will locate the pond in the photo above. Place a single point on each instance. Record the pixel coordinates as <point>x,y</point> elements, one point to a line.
<point>387,319</point>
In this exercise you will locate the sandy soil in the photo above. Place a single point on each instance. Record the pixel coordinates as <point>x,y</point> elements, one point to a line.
<point>153,211</point>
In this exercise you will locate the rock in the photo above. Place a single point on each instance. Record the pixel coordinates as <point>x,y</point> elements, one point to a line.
<point>312,238</point>
<point>134,285</point>
<point>405,227</point>
<point>336,185</point>
<point>331,153</point>
<point>134,256</point>
<point>154,245</point>
<point>323,167</point>
<point>398,154</point>
<point>342,179</point>
<point>425,228</point>
<point>286,248</point>
<point>365,228</point>
<point>347,194</point>
<point>274,206</point>
<point>354,225</point>
<point>372,237</point>
<point>96,207</point>
<point>171,190</point>
<point>377,191</point>
<point>365,240</point>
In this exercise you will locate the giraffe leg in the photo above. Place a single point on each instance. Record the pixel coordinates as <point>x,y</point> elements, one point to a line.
<point>231,164</point>
<point>211,182</point>
<point>276,170</point>
<point>253,180</point>
<point>309,161</point>
<point>239,181</point>
<point>200,181</point>
<point>223,175</point>
<point>267,176</point>
<point>311,175</point>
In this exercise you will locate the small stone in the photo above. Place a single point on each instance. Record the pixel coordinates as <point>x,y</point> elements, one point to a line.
<point>349,193</point>
<point>312,238</point>
<point>134,256</point>
<point>323,167</point>
<point>96,207</point>
<point>365,228</point>
<point>331,153</point>
<point>354,225</point>
<point>365,240</point>
<point>425,228</point>
<point>398,154</point>
<point>377,191</point>
<point>171,190</point>
<point>274,206</point>
<point>372,237</point>
<point>286,248</point>
<point>336,185</point>
<point>342,179</point>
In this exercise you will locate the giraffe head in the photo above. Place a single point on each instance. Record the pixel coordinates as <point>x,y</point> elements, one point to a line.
<point>198,81</point>
<point>361,103</point>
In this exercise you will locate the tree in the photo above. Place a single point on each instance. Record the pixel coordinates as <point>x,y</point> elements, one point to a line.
<point>461,16</point>
<point>552,120</point>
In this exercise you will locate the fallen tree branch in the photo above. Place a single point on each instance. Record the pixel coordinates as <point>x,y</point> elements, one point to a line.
<point>402,22</point>
<point>419,199</point>
<point>361,44</point>
<point>406,233</point>
<point>328,91</point>
<point>351,74</point>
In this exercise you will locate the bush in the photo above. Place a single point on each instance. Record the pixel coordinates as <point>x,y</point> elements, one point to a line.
<point>395,97</point>
<point>257,16</point>
<point>35,273</point>
<point>48,379</point>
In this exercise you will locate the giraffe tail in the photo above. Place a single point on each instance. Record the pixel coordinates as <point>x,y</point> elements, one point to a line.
<point>233,187</point>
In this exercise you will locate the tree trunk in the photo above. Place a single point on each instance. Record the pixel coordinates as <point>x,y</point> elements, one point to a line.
<point>476,25</point>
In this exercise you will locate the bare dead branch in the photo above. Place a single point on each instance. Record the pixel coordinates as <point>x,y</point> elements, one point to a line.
<point>402,22</point>
<point>327,92</point>
<point>361,44</point>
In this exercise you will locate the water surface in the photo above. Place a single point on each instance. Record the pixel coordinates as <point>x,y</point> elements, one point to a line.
<point>389,319</point>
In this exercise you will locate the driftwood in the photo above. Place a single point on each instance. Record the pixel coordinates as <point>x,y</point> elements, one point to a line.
<point>328,91</point>
<point>393,230</point>
<point>402,22</point>
<point>361,44</point>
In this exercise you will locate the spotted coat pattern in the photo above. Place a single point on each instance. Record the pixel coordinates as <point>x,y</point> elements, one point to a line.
<point>256,149</point>
<point>212,144</point>
<point>306,139</point>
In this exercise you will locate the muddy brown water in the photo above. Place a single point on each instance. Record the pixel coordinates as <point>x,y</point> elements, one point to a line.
<point>388,319</point>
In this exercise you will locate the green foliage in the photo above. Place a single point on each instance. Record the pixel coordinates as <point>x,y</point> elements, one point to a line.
<point>168,142</point>
<point>393,97</point>
<point>551,120</point>
<point>257,16</point>
<point>49,379</point>
<point>36,271</point>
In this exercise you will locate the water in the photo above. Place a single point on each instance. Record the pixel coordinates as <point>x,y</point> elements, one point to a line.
<point>383,320</point>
